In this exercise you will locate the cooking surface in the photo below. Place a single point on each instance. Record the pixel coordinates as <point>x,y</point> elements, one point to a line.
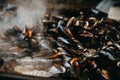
<point>51,40</point>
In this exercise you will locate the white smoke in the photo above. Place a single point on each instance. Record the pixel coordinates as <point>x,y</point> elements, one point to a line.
<point>28,12</point>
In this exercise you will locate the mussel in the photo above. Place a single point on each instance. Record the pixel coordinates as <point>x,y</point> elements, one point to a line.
<point>87,44</point>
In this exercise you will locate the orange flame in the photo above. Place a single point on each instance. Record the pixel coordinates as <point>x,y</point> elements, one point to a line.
<point>28,32</point>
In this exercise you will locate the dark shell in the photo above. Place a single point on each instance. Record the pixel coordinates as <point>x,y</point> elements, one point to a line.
<point>1,62</point>
<point>90,42</point>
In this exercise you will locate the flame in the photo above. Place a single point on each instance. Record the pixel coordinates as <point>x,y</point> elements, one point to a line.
<point>28,33</point>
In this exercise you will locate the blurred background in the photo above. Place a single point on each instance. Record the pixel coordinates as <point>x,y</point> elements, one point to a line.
<point>22,12</point>
<point>55,3</point>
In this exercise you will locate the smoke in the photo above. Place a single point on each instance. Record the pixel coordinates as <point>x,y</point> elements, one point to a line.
<point>28,12</point>
<point>19,13</point>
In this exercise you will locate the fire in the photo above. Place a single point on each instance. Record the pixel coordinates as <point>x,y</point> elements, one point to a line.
<point>28,33</point>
